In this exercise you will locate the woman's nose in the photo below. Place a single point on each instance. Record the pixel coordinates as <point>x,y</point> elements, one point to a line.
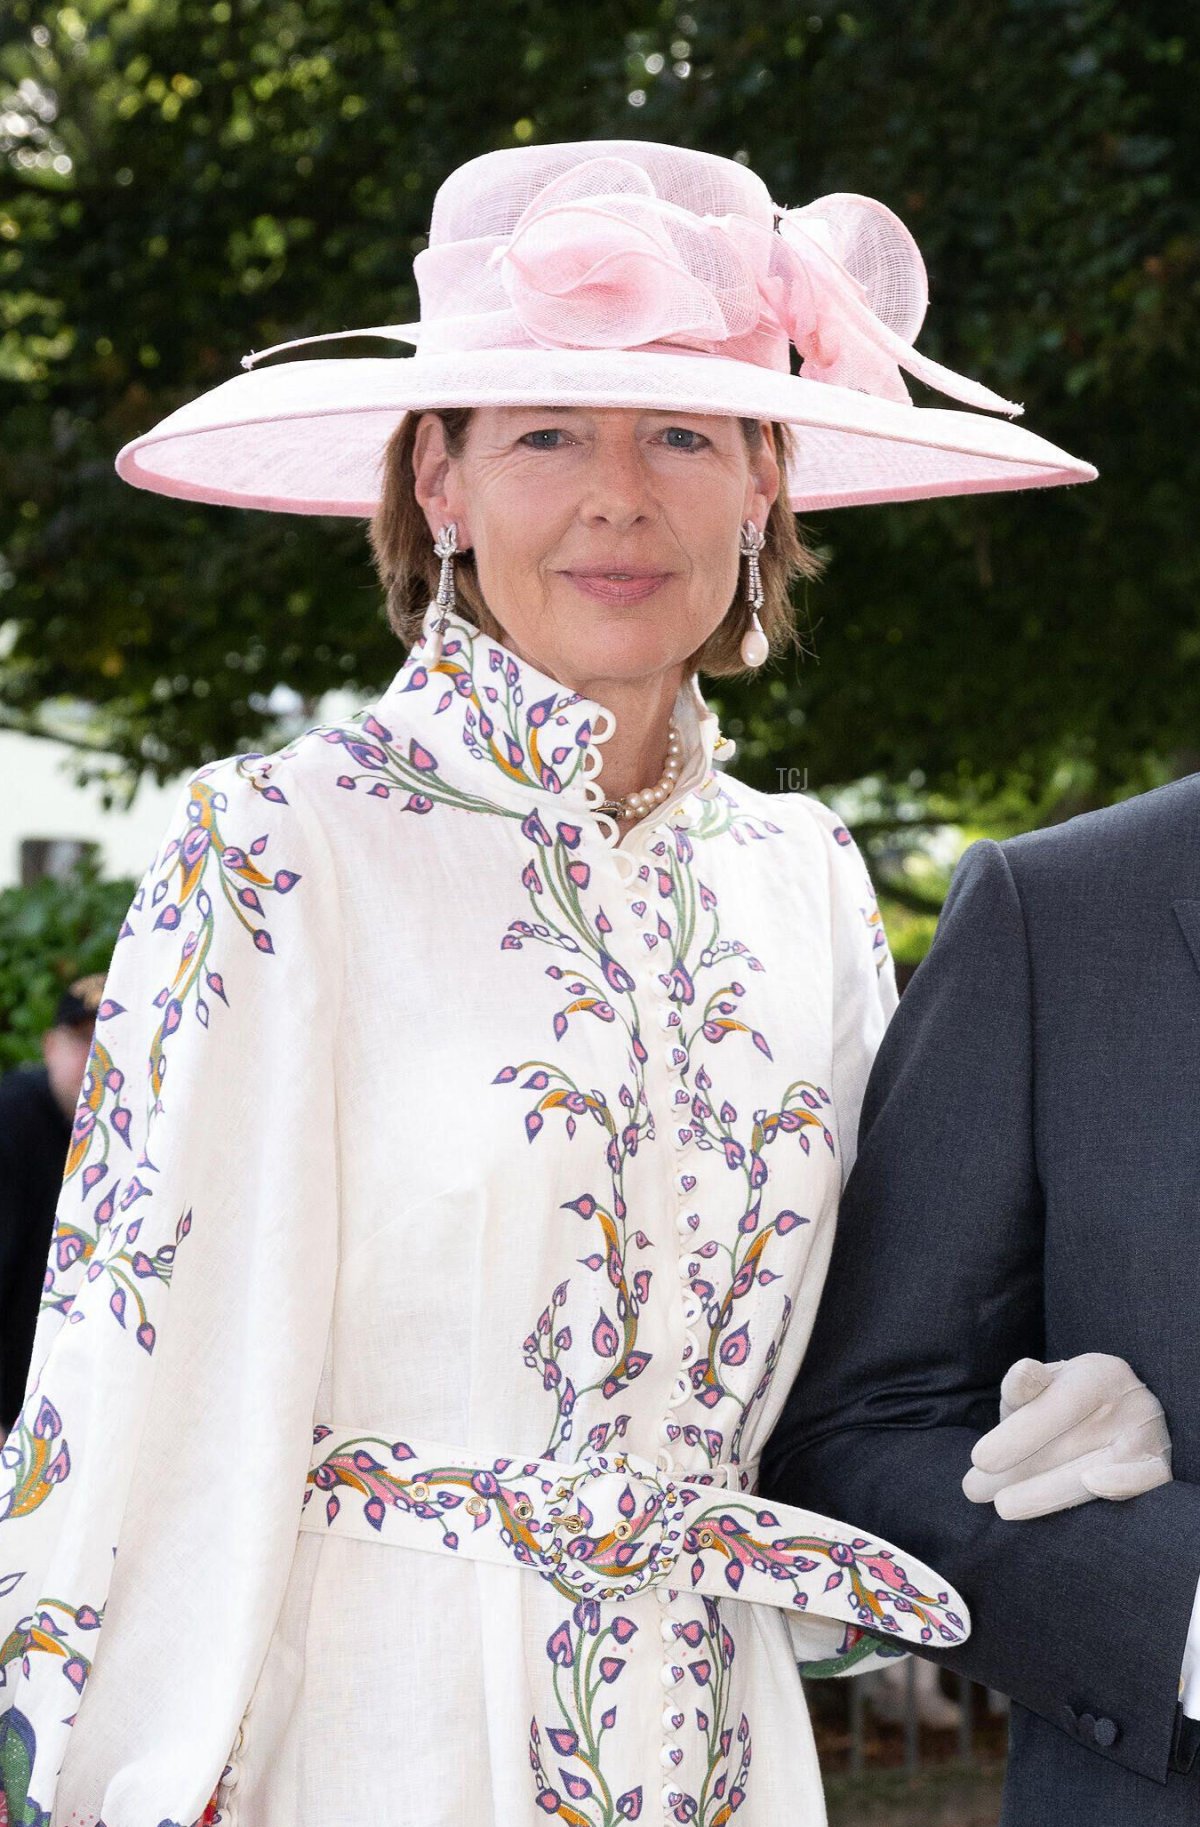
<point>617,489</point>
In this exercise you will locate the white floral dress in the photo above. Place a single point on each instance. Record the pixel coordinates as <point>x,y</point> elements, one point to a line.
<point>449,1198</point>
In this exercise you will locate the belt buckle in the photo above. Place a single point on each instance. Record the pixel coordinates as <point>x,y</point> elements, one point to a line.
<point>606,1528</point>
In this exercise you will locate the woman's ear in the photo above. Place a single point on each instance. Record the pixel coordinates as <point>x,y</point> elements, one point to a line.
<point>765,475</point>
<point>433,484</point>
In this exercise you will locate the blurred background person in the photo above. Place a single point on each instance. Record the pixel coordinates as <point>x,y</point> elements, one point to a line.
<point>37,1110</point>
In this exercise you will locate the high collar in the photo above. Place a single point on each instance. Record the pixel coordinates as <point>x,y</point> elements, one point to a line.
<point>500,728</point>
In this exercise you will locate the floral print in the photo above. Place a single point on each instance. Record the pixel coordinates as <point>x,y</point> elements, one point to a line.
<point>425,1111</point>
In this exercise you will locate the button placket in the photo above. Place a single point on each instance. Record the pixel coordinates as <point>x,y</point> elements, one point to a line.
<point>640,895</point>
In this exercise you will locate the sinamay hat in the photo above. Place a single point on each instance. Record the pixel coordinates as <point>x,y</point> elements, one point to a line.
<point>622,273</point>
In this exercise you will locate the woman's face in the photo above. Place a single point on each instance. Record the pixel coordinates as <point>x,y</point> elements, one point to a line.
<point>553,499</point>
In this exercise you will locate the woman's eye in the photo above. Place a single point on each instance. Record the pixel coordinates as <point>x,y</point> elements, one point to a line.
<point>685,431</point>
<point>550,431</point>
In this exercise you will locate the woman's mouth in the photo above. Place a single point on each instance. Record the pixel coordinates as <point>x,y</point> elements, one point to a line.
<point>617,586</point>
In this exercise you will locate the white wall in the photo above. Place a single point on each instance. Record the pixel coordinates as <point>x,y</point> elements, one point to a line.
<point>39,798</point>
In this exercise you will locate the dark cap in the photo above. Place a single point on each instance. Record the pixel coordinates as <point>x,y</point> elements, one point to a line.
<point>79,1001</point>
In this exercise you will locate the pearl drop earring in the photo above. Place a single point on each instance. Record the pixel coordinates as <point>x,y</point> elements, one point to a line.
<point>755,646</point>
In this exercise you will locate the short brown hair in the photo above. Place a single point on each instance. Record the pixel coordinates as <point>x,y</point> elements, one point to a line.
<point>408,567</point>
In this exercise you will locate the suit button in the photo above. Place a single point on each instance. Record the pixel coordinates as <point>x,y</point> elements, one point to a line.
<point>1068,1718</point>
<point>1107,1732</point>
<point>1087,1725</point>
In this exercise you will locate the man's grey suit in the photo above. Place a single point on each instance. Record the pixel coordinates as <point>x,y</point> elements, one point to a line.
<point>1028,1185</point>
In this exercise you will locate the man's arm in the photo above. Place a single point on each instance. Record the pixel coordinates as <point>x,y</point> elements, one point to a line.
<point>934,1289</point>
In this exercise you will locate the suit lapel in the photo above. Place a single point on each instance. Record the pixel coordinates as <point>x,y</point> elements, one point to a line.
<point>1188,915</point>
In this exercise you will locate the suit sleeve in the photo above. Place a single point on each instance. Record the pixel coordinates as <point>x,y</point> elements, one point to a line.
<point>151,1487</point>
<point>934,1289</point>
<point>863,999</point>
<point>1189,1680</point>
<point>863,988</point>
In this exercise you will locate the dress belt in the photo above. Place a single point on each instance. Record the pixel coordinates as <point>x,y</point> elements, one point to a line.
<point>609,1525</point>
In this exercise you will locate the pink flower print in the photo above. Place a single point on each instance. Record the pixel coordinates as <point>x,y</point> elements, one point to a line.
<point>888,1572</point>
<point>541,712</point>
<point>560,1648</point>
<point>736,1348</point>
<point>615,975</point>
<point>605,1337</point>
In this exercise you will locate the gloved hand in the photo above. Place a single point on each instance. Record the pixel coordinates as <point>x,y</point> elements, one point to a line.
<point>1081,1428</point>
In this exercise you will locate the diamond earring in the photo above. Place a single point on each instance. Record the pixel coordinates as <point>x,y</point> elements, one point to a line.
<point>755,646</point>
<point>445,545</point>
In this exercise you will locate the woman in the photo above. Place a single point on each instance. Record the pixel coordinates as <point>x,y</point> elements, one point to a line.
<point>476,1078</point>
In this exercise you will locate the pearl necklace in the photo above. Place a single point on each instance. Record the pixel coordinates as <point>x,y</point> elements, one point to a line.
<point>636,805</point>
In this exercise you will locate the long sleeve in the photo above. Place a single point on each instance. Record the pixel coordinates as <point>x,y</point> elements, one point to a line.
<point>863,980</point>
<point>1189,1681</point>
<point>153,1481</point>
<point>863,1000</point>
<point>935,1288</point>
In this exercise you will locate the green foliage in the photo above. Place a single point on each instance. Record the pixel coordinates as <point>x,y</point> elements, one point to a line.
<point>186,180</point>
<point>50,934</point>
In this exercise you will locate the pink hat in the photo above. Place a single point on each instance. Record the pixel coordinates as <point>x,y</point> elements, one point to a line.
<point>621,273</point>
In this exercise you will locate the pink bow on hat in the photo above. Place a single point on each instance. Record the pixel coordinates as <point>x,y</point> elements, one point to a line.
<point>599,260</point>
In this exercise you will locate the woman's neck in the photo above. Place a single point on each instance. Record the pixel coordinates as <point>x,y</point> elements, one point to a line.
<point>633,758</point>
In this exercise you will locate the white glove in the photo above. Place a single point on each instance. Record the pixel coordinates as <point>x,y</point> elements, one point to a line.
<point>1081,1428</point>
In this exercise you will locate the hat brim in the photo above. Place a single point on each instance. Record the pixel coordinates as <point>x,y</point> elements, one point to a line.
<point>308,436</point>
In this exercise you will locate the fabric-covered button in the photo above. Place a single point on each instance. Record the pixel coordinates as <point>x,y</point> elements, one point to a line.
<point>668,1630</point>
<point>679,1390</point>
<point>671,1674</point>
<point>1107,1732</point>
<point>1068,1718</point>
<point>1087,1725</point>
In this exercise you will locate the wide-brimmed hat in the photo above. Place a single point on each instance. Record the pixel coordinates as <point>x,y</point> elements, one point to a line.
<point>622,273</point>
